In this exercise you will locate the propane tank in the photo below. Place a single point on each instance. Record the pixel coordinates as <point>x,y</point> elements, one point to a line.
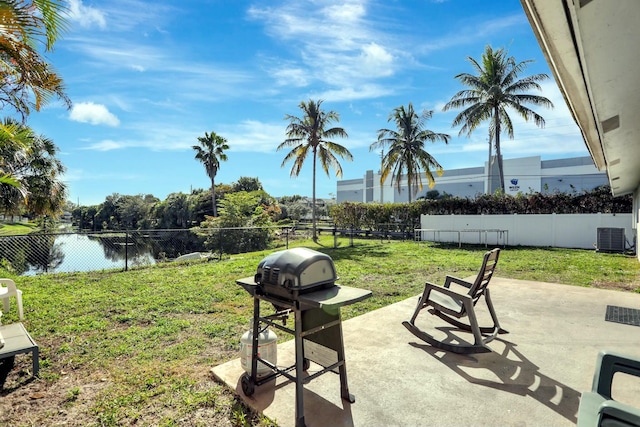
<point>267,350</point>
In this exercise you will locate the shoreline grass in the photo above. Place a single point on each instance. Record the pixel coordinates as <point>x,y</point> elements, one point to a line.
<point>17,228</point>
<point>136,347</point>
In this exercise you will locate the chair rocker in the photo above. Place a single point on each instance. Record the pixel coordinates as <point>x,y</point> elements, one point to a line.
<point>450,305</point>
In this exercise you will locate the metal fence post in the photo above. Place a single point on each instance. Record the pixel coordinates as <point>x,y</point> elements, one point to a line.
<point>126,250</point>
<point>287,236</point>
<point>220,240</point>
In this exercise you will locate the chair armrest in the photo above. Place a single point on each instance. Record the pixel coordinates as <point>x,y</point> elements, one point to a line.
<point>612,410</point>
<point>447,291</point>
<point>608,363</point>
<point>450,279</point>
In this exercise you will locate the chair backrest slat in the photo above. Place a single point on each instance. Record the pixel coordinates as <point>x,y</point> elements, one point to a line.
<point>489,263</point>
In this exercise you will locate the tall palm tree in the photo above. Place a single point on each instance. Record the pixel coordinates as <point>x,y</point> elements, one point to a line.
<point>405,149</point>
<point>311,134</point>
<point>27,79</point>
<point>210,152</point>
<point>491,93</point>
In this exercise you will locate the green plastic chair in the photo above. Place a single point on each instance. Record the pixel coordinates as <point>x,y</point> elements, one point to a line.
<point>597,407</point>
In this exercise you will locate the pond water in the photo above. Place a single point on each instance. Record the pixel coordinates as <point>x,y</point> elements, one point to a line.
<point>82,252</point>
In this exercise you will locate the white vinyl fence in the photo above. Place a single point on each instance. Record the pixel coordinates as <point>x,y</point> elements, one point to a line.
<point>555,230</point>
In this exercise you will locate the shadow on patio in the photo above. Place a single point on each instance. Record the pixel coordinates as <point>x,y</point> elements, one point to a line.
<point>534,376</point>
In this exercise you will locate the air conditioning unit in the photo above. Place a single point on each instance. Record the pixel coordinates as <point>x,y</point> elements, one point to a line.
<point>610,240</point>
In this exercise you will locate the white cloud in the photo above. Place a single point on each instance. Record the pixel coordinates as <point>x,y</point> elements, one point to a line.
<point>86,16</point>
<point>291,77</point>
<point>118,52</point>
<point>96,114</point>
<point>376,61</point>
<point>466,33</point>
<point>155,135</point>
<point>106,145</point>
<point>255,136</point>
<point>345,12</point>
<point>338,44</point>
<point>353,93</point>
<point>190,78</point>
<point>139,15</point>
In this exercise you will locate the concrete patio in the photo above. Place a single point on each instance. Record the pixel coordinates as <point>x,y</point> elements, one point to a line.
<point>533,377</point>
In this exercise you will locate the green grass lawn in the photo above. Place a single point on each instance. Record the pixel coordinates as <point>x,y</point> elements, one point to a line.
<point>16,228</point>
<point>136,347</point>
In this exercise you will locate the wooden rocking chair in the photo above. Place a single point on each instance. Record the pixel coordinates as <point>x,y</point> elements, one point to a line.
<point>449,304</point>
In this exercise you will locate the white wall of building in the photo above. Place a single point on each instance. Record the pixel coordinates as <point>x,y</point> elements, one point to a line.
<point>553,230</point>
<point>522,175</point>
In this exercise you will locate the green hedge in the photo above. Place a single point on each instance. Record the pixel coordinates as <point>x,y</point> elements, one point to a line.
<point>376,216</point>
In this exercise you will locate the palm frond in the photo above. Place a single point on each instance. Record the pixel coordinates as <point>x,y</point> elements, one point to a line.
<point>29,81</point>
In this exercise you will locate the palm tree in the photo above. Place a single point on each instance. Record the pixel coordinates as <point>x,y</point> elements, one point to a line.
<point>406,154</point>
<point>28,80</point>
<point>310,134</point>
<point>47,193</point>
<point>495,89</point>
<point>29,160</point>
<point>210,152</point>
<point>14,141</point>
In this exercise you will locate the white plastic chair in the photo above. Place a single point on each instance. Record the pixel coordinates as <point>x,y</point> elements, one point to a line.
<point>7,290</point>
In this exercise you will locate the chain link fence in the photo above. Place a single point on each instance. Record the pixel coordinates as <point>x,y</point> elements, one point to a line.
<point>39,253</point>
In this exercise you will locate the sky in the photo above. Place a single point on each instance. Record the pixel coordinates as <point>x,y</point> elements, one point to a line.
<point>148,77</point>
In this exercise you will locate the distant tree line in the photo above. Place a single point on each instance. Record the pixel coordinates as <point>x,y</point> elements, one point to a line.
<point>241,204</point>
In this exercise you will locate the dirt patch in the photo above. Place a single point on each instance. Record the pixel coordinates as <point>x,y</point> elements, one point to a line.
<point>70,401</point>
<point>35,401</point>
<point>617,286</point>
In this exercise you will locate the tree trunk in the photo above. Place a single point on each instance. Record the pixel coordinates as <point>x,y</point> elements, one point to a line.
<point>213,197</point>
<point>498,152</point>
<point>409,175</point>
<point>489,187</point>
<point>313,199</point>
<point>500,169</point>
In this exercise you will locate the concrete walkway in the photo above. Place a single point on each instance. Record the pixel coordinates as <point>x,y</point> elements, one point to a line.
<point>533,377</point>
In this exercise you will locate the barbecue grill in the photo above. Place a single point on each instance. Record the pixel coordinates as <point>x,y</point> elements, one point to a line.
<point>300,282</point>
<point>296,271</point>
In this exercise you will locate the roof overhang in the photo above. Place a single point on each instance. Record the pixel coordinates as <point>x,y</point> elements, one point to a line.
<point>592,49</point>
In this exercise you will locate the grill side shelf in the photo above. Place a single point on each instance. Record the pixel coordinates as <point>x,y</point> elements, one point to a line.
<point>331,297</point>
<point>248,284</point>
<point>334,297</point>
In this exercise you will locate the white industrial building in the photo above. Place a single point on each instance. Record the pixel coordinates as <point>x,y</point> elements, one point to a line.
<point>522,175</point>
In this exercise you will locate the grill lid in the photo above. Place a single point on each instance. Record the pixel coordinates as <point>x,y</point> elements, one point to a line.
<point>297,268</point>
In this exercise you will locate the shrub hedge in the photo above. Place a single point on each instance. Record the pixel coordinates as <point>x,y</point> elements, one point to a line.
<point>376,216</point>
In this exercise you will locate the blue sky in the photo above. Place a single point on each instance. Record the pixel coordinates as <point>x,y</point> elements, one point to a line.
<point>147,77</point>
